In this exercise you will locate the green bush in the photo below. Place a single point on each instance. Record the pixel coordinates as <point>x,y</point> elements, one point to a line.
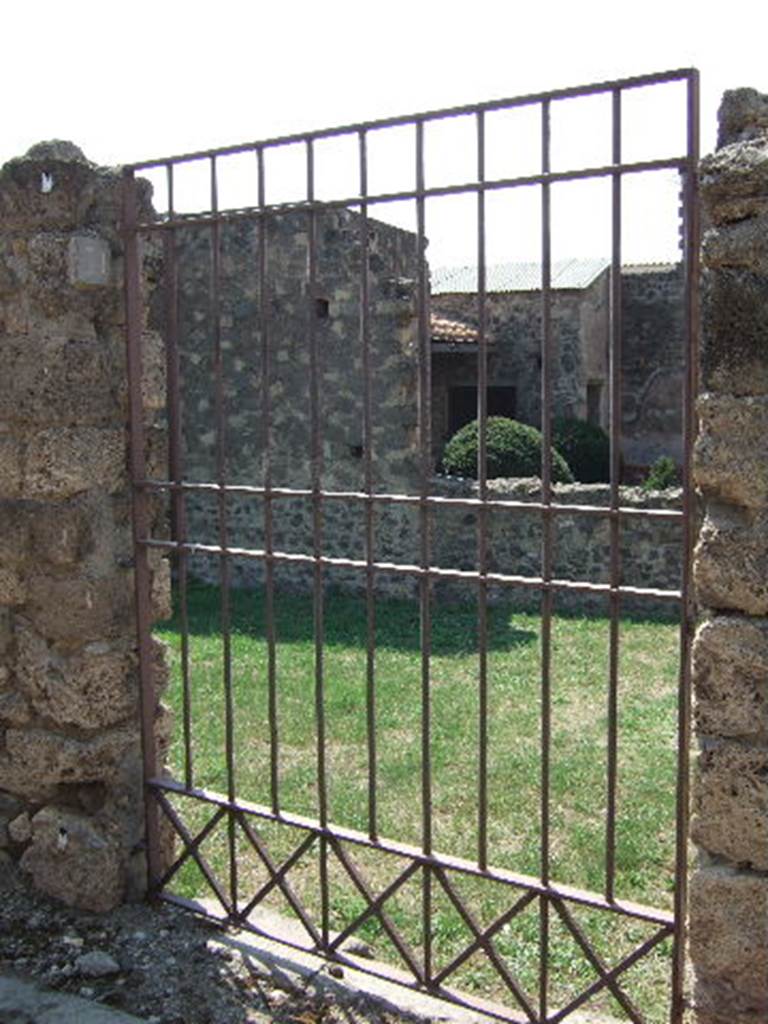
<point>514,449</point>
<point>585,447</point>
<point>662,474</point>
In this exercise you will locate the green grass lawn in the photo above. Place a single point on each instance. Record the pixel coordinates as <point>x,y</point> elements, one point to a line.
<point>647,754</point>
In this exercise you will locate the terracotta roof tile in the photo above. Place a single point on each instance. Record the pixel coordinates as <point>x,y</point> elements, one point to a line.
<point>452,332</point>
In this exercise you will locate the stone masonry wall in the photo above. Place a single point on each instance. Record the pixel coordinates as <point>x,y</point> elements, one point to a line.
<point>71,804</point>
<point>729,887</point>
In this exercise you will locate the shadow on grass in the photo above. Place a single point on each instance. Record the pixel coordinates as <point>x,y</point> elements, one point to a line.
<point>454,625</point>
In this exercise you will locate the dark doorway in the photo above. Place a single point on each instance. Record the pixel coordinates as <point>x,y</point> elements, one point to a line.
<point>462,405</point>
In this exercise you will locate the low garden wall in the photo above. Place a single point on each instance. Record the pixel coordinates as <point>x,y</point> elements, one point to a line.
<point>650,548</point>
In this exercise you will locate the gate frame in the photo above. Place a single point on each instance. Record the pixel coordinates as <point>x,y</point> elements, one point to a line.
<point>329,836</point>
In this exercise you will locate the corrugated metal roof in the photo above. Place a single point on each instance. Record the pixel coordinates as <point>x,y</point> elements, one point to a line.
<point>517,277</point>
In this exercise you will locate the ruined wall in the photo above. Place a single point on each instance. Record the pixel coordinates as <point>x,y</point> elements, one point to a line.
<point>579,329</point>
<point>653,362</point>
<point>729,887</point>
<point>335,312</point>
<point>71,804</point>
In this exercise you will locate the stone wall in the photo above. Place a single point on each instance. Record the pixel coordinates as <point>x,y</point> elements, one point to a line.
<point>653,364</point>
<point>650,548</point>
<point>729,887</point>
<point>71,794</point>
<point>580,334</point>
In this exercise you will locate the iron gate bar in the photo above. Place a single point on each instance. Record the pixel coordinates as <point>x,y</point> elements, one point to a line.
<point>370,577</point>
<point>433,572</point>
<point>254,213</point>
<point>424,412</point>
<point>267,490</point>
<point>410,499</point>
<point>482,518</point>
<point>546,553</point>
<point>423,860</point>
<point>529,99</point>
<point>469,868</point>
<point>176,471</point>
<point>615,369</point>
<point>279,879</point>
<point>691,245</point>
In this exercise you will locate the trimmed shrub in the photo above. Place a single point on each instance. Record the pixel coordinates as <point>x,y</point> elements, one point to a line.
<point>662,474</point>
<point>514,449</point>
<point>585,447</point>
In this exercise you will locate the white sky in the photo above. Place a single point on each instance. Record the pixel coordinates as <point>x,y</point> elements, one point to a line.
<point>138,80</point>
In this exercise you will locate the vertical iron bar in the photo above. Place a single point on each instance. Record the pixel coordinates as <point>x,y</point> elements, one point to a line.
<point>317,532</point>
<point>691,226</point>
<point>221,479</point>
<point>615,331</point>
<point>269,565</point>
<point>370,603</point>
<point>176,469</point>
<point>141,520</point>
<point>482,521</point>
<point>546,555</point>
<point>425,613</point>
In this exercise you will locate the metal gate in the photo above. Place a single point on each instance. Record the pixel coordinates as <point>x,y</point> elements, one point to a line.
<point>228,812</point>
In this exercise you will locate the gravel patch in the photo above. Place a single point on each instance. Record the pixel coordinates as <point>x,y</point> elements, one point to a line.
<point>156,962</point>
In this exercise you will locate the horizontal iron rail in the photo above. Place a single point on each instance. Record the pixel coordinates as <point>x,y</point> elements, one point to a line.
<point>421,572</point>
<point>530,99</point>
<point>675,163</point>
<point>625,908</point>
<point>413,499</point>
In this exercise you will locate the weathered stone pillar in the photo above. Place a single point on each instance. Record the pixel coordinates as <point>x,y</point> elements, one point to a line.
<point>71,806</point>
<point>729,888</point>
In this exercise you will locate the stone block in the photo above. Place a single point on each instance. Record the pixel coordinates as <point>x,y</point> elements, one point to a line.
<point>61,533</point>
<point>730,677</point>
<point>730,803</point>
<point>64,462</point>
<point>730,567</point>
<point>153,371</point>
<point>73,610</point>
<point>731,450</point>
<point>734,181</point>
<point>14,534</point>
<point>89,260</point>
<point>12,587</point>
<point>14,710</point>
<point>94,688</point>
<point>46,758</point>
<point>162,603</point>
<point>64,380</point>
<point>743,114</point>
<point>11,455</point>
<point>74,859</point>
<point>734,352</point>
<point>728,942</point>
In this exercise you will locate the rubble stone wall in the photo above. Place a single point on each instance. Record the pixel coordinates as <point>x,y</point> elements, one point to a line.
<point>729,887</point>
<point>71,805</point>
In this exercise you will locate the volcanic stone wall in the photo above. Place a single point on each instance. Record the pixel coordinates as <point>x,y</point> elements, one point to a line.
<point>729,889</point>
<point>71,794</point>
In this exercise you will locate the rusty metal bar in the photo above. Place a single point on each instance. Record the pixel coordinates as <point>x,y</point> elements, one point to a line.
<point>469,868</point>
<point>266,491</point>
<point>220,415</point>
<point>370,599</point>
<point>433,572</point>
<point>176,470</point>
<point>615,362</point>
<point>316,461</point>
<point>692,242</point>
<point>425,610</point>
<point>482,520</point>
<point>140,519</point>
<point>530,99</point>
<point>412,499</point>
<point>466,188</point>
<point>546,553</point>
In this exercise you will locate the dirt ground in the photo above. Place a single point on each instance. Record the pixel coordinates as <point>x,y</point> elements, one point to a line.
<point>157,962</point>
